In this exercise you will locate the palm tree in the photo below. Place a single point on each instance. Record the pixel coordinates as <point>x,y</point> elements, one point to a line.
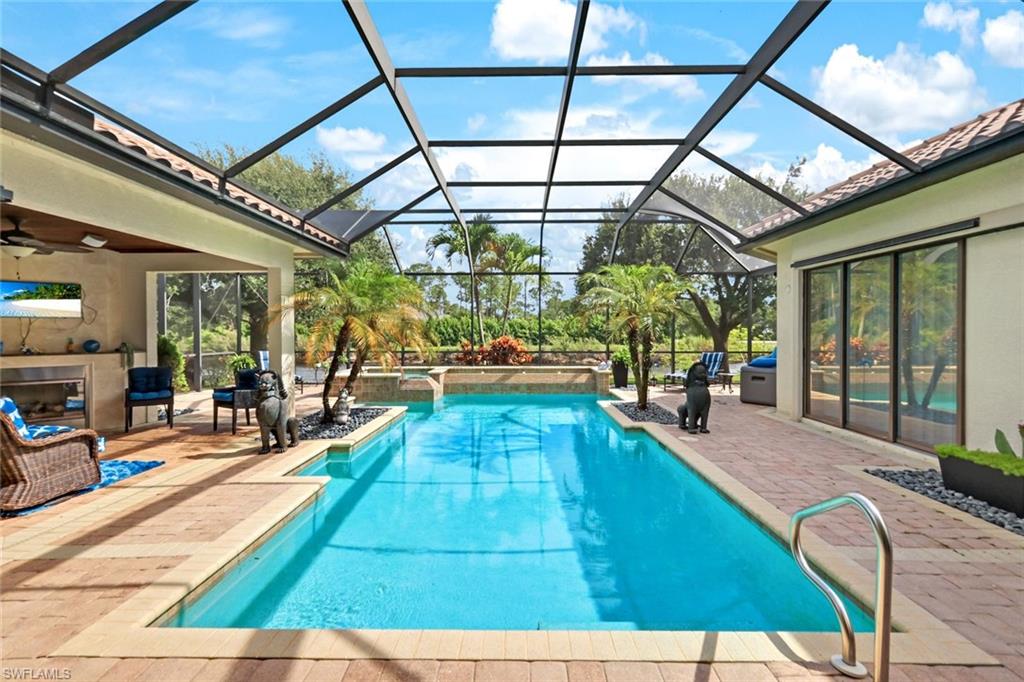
<point>453,242</point>
<point>509,253</point>
<point>640,299</point>
<point>370,308</point>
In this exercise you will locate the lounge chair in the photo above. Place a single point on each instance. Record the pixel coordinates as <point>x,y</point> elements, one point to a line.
<point>711,359</point>
<point>43,462</point>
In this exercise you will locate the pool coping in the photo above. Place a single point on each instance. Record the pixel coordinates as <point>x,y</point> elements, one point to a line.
<point>128,631</point>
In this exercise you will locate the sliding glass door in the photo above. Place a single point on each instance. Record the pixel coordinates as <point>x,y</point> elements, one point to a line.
<point>868,321</point>
<point>824,345</point>
<point>882,339</point>
<point>929,345</point>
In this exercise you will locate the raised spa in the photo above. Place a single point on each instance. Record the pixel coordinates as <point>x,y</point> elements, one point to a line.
<point>516,513</point>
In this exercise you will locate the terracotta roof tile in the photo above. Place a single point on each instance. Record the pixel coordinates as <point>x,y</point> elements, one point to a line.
<point>181,165</point>
<point>955,140</point>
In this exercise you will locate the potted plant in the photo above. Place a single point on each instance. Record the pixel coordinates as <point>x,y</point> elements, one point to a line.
<point>620,367</point>
<point>994,477</point>
<point>236,363</point>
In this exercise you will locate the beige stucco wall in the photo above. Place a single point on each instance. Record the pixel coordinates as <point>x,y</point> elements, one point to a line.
<point>994,264</point>
<point>121,287</point>
<point>994,343</point>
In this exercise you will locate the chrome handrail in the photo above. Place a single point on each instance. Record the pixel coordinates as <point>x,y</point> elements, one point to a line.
<point>846,662</point>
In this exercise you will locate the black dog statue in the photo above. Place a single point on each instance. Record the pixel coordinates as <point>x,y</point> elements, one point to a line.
<point>272,413</point>
<point>698,399</point>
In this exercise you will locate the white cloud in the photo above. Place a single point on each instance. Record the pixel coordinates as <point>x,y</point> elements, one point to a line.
<point>729,142</point>
<point>825,168</point>
<point>904,91</point>
<point>252,25</point>
<point>475,122</point>
<point>729,46</point>
<point>634,87</point>
<point>341,140</point>
<point>1004,39</point>
<point>944,17</point>
<point>541,30</point>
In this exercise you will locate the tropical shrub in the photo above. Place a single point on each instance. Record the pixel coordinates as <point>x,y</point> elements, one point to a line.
<point>639,299</point>
<point>168,355</point>
<point>506,350</point>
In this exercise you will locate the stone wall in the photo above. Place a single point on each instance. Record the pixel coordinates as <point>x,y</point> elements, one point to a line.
<point>390,387</point>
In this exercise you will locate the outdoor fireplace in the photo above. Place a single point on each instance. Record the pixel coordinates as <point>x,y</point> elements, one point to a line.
<point>48,394</point>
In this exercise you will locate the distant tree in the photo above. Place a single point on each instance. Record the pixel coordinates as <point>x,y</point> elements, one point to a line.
<point>451,240</point>
<point>510,253</point>
<point>300,185</point>
<point>719,300</point>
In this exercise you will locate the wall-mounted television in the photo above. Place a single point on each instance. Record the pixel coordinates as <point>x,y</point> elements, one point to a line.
<point>40,299</point>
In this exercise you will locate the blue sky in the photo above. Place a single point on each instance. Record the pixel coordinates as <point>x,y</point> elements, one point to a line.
<point>243,72</point>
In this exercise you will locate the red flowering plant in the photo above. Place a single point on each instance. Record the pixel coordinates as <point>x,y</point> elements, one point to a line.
<point>506,350</point>
<point>467,356</point>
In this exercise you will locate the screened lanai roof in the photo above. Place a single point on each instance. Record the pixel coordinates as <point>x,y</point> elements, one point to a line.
<point>552,117</point>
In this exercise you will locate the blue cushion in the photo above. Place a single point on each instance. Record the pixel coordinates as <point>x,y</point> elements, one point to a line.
<point>763,361</point>
<point>226,396</point>
<point>74,403</point>
<point>47,430</point>
<point>149,395</point>
<point>8,407</point>
<point>248,379</point>
<point>149,380</point>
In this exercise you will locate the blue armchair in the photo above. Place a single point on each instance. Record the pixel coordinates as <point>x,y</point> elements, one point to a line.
<point>241,396</point>
<point>149,386</point>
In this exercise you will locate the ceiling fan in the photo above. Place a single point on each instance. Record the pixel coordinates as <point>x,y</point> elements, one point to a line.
<point>17,237</point>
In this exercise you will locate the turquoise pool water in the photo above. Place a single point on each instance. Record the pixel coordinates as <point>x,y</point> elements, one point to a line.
<point>516,512</point>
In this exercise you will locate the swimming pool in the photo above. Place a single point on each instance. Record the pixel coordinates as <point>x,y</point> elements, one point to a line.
<point>516,512</point>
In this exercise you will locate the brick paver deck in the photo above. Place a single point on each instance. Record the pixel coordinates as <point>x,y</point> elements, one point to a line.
<point>967,575</point>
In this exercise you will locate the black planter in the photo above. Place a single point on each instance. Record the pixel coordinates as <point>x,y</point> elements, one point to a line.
<point>620,375</point>
<point>984,483</point>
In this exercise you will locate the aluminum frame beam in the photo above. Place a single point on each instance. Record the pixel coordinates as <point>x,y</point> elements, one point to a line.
<point>374,43</point>
<point>551,71</point>
<point>307,125</point>
<point>751,180</point>
<point>788,30</point>
<point>356,186</point>
<point>522,210</point>
<point>848,128</point>
<point>543,183</point>
<point>585,142</point>
<point>123,36</point>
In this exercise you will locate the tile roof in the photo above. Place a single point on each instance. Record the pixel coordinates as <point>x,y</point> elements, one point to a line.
<point>191,170</point>
<point>957,139</point>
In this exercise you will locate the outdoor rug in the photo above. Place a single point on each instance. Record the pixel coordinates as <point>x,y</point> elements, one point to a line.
<point>111,472</point>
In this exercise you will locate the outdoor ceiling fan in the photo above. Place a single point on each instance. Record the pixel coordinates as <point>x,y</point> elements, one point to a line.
<point>13,237</point>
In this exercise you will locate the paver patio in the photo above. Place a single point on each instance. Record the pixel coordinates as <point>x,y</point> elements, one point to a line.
<point>112,543</point>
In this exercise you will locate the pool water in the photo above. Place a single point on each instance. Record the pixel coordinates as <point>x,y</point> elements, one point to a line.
<point>516,512</point>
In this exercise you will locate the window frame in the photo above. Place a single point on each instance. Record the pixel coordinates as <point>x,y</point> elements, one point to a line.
<point>893,435</point>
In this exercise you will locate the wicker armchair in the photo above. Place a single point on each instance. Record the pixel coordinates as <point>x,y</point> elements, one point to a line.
<point>37,470</point>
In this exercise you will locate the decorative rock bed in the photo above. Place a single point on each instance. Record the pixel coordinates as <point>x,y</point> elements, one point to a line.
<point>310,427</point>
<point>654,413</point>
<point>929,483</point>
<point>161,415</point>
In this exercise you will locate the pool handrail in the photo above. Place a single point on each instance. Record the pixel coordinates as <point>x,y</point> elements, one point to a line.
<point>846,662</point>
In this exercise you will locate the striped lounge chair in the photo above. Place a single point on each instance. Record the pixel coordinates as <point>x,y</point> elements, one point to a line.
<point>43,462</point>
<point>712,359</point>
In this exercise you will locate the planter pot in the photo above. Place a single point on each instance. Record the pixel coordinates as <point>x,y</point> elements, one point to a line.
<point>984,483</point>
<point>620,375</point>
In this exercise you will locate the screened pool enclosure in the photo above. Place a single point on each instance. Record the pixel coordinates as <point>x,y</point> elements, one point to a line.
<point>566,173</point>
